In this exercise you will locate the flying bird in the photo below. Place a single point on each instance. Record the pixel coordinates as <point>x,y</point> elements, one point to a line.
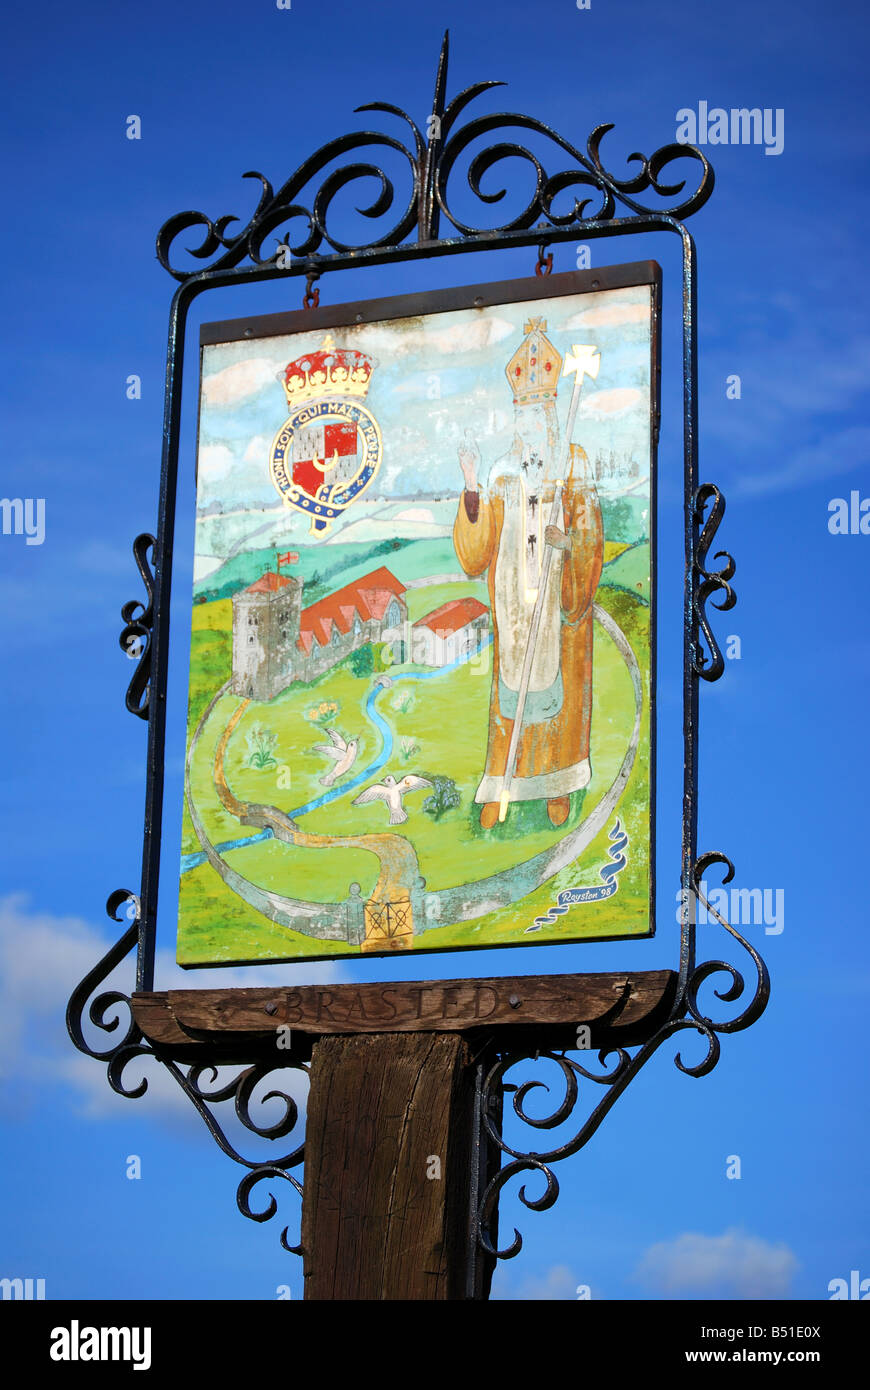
<point>392,792</point>
<point>343,754</point>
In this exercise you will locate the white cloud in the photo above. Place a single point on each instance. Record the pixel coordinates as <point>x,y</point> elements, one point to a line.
<point>471,336</point>
<point>607,405</point>
<point>43,957</point>
<point>229,475</point>
<point>800,415</point>
<point>257,450</point>
<point>415,514</point>
<point>167,1101</point>
<point>836,453</point>
<point>810,371</point>
<point>556,1283</point>
<point>733,1265</point>
<point>215,461</point>
<point>608,316</point>
<point>240,381</point>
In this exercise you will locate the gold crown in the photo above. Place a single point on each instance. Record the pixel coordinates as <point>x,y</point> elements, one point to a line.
<point>533,371</point>
<point>330,371</point>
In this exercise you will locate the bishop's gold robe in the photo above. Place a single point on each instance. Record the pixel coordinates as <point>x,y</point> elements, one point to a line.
<point>490,533</point>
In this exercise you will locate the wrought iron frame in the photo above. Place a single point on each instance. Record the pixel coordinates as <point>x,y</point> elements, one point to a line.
<point>431,161</point>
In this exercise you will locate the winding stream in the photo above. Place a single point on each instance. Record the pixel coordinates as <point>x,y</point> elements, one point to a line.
<point>192,861</point>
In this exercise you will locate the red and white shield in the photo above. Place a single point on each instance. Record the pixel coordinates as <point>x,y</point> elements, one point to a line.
<point>325,452</point>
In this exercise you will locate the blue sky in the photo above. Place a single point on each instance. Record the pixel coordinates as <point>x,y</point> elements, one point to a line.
<point>646,1210</point>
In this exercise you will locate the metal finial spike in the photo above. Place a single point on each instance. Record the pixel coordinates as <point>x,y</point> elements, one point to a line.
<point>428,217</point>
<point>441,76</point>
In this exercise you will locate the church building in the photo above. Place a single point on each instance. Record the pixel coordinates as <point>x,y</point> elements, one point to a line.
<point>450,633</point>
<point>276,641</point>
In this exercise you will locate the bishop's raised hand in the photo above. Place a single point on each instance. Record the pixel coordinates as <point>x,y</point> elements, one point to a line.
<point>469,462</point>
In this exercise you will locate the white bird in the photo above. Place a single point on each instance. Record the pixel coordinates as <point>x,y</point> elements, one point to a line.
<point>392,792</point>
<point>343,754</point>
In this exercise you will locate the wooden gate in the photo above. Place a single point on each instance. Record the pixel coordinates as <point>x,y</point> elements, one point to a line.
<point>389,925</point>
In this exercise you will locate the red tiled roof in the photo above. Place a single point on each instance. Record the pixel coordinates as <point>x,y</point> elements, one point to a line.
<point>268,583</point>
<point>452,616</point>
<point>369,597</point>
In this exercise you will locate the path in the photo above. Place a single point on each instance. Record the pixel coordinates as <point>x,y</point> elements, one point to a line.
<point>192,861</point>
<point>399,869</point>
<point>398,872</point>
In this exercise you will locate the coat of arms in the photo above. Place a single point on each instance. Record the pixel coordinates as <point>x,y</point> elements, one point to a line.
<point>329,449</point>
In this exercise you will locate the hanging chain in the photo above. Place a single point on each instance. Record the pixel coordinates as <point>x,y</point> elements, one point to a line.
<point>311,298</point>
<point>545,263</point>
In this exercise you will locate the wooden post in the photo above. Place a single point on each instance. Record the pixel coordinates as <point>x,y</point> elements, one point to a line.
<point>389,1135</point>
<point>395,1162</point>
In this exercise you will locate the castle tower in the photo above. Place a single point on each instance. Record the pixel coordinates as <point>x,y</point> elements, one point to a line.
<point>265,633</point>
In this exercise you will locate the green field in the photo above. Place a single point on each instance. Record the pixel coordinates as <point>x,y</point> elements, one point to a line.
<point>323,569</point>
<point>446,718</point>
<point>630,571</point>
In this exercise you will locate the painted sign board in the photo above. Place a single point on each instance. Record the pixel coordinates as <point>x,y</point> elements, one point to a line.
<point>422,662</point>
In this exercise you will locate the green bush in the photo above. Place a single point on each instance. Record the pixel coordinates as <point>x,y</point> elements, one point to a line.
<point>444,797</point>
<point>362,661</point>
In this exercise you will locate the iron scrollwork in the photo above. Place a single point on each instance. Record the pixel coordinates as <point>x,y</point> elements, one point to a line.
<point>710,581</point>
<point>203,1090</point>
<point>431,161</point>
<point>135,639</point>
<point>686,1014</point>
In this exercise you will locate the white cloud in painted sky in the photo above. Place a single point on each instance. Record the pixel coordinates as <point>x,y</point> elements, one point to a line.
<point>608,316</point>
<point>258,449</point>
<point>239,381</point>
<point>435,380</point>
<point>606,405</point>
<point>464,337</point>
<point>215,461</point>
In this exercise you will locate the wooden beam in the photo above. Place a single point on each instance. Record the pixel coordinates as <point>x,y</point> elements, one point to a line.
<point>549,1006</point>
<point>389,1138</point>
